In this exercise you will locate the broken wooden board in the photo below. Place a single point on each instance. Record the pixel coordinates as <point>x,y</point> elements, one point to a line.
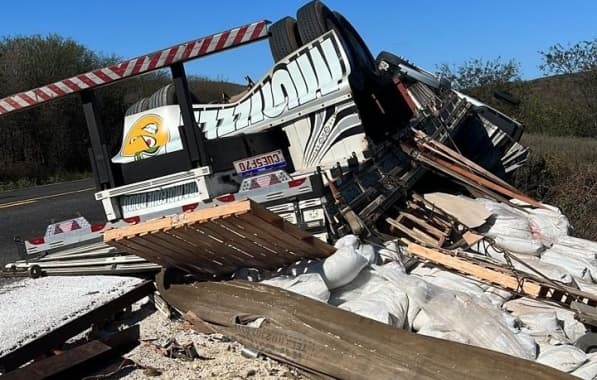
<point>219,240</point>
<point>329,342</point>
<point>518,282</point>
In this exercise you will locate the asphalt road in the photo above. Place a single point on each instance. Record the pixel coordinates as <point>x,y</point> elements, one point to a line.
<point>27,212</point>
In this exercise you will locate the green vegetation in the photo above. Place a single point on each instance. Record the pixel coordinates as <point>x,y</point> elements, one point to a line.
<point>560,115</point>
<point>562,172</point>
<point>48,143</point>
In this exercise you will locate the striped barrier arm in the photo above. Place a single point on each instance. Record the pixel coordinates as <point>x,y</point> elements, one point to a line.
<point>136,66</point>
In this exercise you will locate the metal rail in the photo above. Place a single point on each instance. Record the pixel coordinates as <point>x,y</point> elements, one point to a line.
<point>140,65</point>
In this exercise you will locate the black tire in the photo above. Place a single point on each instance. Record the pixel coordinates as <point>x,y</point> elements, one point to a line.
<point>315,19</point>
<point>35,271</point>
<point>587,342</point>
<point>166,96</point>
<point>284,38</point>
<point>139,106</point>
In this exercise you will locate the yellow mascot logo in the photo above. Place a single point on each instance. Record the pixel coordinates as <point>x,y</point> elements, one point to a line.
<point>146,136</point>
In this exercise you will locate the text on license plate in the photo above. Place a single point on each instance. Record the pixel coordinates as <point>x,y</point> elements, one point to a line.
<point>260,163</point>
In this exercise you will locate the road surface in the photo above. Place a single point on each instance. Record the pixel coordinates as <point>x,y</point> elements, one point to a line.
<point>27,212</point>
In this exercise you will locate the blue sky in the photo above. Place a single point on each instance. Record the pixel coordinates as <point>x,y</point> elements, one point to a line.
<point>425,31</point>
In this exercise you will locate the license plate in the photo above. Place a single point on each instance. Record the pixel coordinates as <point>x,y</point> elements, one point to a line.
<point>260,163</point>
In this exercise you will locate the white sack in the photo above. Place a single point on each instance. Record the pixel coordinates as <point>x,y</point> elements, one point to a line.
<point>548,225</point>
<point>587,371</point>
<point>481,323</point>
<point>342,266</point>
<point>309,285</point>
<point>372,296</point>
<point>565,358</point>
<point>566,321</point>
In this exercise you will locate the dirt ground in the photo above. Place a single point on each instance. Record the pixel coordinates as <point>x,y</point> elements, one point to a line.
<point>219,358</point>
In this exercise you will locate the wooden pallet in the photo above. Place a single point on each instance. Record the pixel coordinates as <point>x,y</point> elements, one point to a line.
<point>219,240</point>
<point>518,282</point>
<point>421,223</point>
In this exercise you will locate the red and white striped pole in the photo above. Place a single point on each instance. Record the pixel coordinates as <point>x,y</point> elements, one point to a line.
<point>136,66</point>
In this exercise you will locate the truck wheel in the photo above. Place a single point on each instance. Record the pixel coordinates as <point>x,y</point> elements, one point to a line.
<point>284,38</point>
<point>35,271</point>
<point>315,19</point>
<point>587,342</point>
<point>139,106</point>
<point>166,96</point>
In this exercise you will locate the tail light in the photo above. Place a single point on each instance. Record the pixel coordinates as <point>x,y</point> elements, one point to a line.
<point>97,227</point>
<point>190,207</point>
<point>226,198</point>
<point>36,241</point>
<point>296,182</point>
<point>133,219</point>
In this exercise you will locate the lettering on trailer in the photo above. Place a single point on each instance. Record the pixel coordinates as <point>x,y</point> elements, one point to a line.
<point>316,70</point>
<point>160,197</point>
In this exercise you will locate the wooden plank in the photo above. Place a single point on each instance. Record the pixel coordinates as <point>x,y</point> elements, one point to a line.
<point>60,334</point>
<point>413,234</point>
<point>220,251</point>
<point>486,183</point>
<point>172,221</point>
<point>293,230</point>
<point>482,273</point>
<point>193,253</point>
<point>220,239</point>
<point>278,258</point>
<point>254,254</point>
<point>301,248</point>
<point>193,258</point>
<point>142,250</point>
<point>422,223</point>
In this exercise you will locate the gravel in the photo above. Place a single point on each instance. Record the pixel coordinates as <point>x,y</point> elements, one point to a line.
<point>221,358</point>
<point>32,307</point>
<point>29,308</point>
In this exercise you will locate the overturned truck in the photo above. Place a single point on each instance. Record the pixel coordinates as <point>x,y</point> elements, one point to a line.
<point>317,139</point>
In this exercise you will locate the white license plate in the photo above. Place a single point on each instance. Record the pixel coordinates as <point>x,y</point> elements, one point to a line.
<point>314,214</point>
<point>262,162</point>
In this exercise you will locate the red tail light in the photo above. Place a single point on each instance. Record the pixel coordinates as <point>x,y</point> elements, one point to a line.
<point>190,207</point>
<point>36,241</point>
<point>97,227</point>
<point>133,219</point>
<point>226,198</point>
<point>296,182</point>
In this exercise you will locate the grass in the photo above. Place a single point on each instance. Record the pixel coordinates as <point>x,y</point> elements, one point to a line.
<point>562,172</point>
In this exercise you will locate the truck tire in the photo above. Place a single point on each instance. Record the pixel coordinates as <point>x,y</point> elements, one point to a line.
<point>284,38</point>
<point>587,342</point>
<point>166,96</point>
<point>315,19</point>
<point>139,106</point>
